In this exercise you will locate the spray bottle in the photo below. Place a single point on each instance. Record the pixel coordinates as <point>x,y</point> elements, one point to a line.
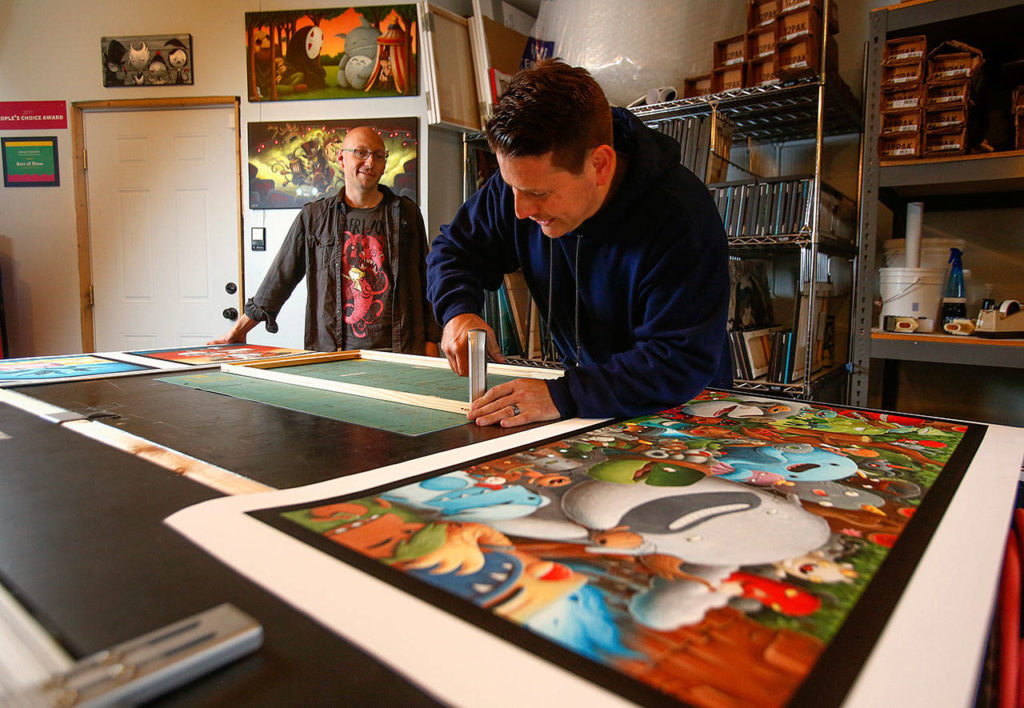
<point>954,301</point>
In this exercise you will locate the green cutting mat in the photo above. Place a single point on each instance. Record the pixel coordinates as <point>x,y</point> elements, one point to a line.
<point>384,415</point>
<point>408,378</point>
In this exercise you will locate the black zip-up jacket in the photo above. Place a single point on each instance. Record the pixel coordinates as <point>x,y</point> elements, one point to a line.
<point>313,248</point>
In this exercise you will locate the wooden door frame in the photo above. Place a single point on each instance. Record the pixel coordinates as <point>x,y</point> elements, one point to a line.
<point>78,110</point>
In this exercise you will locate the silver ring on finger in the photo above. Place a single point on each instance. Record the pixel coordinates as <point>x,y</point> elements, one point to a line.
<point>515,409</point>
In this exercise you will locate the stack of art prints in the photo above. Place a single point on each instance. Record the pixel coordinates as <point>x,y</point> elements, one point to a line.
<point>46,369</point>
<point>218,353</point>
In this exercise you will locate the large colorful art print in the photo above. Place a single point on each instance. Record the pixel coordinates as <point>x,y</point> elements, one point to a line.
<point>344,52</point>
<point>735,550</point>
<point>45,369</point>
<point>218,353</point>
<point>293,163</point>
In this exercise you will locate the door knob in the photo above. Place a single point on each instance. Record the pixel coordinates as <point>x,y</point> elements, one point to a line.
<point>230,313</point>
<point>231,288</point>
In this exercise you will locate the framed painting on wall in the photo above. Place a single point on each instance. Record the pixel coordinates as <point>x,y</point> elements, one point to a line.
<point>30,161</point>
<point>147,60</point>
<point>293,163</point>
<point>342,52</point>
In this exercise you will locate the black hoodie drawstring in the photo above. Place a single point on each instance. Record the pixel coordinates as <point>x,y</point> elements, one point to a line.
<point>551,281</point>
<point>579,237</point>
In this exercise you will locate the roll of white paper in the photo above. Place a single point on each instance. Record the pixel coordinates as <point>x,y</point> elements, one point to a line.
<point>914,210</point>
<point>660,95</point>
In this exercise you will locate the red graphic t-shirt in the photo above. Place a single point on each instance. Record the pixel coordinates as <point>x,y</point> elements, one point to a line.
<point>366,286</point>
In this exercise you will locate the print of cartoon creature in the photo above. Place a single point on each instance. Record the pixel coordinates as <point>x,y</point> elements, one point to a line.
<point>356,61</point>
<point>784,463</point>
<point>137,62</point>
<point>364,281</point>
<point>303,60</point>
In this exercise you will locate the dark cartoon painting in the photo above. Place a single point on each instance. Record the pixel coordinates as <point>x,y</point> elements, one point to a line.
<point>736,550</point>
<point>147,60</point>
<point>345,52</point>
<point>293,163</point>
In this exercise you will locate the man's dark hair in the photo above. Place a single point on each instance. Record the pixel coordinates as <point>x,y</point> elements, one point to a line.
<point>553,108</point>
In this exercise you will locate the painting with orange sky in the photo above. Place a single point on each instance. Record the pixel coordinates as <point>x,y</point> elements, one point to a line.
<point>344,52</point>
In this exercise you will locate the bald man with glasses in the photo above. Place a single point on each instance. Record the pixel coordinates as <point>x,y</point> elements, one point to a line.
<point>363,254</point>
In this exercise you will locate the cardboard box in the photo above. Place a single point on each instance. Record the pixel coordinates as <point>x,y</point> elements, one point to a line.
<point>729,52</point>
<point>903,99</point>
<point>787,6</point>
<point>953,62</point>
<point>762,72</point>
<point>945,120</point>
<point>761,13</point>
<point>800,59</point>
<point>899,147</point>
<point>728,78</point>
<point>945,143</point>
<point>696,86</point>
<point>798,25</point>
<point>952,67</point>
<point>761,42</point>
<point>903,76</point>
<point>945,95</point>
<point>905,50</point>
<point>902,122</point>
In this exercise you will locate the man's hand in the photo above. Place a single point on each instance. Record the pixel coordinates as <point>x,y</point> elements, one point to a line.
<point>514,403</point>
<point>238,333</point>
<point>455,341</point>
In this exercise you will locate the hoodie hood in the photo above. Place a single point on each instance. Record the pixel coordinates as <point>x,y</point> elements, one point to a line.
<point>651,156</point>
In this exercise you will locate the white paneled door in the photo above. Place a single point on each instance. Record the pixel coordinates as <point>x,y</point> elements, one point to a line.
<point>163,225</point>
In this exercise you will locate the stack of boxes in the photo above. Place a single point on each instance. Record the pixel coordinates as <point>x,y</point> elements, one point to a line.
<point>798,31</point>
<point>926,98</point>
<point>953,71</point>
<point>728,68</point>
<point>782,43</point>
<point>761,43</point>
<point>903,97</point>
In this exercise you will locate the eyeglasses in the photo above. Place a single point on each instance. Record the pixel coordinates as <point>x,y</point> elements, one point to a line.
<point>362,154</point>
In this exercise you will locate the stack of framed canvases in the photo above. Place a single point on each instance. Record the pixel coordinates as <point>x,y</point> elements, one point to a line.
<point>735,550</point>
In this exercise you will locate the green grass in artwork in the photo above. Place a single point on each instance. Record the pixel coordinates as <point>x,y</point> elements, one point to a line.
<point>285,93</point>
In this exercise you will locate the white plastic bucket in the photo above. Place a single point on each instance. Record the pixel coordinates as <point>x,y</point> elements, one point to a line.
<point>934,252</point>
<point>911,292</point>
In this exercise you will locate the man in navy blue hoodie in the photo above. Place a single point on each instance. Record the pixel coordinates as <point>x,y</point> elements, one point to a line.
<point>621,246</point>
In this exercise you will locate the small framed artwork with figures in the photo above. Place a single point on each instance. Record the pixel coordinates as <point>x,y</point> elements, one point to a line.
<point>147,60</point>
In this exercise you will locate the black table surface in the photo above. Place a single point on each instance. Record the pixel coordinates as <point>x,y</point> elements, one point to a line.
<point>84,549</point>
<point>275,446</point>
